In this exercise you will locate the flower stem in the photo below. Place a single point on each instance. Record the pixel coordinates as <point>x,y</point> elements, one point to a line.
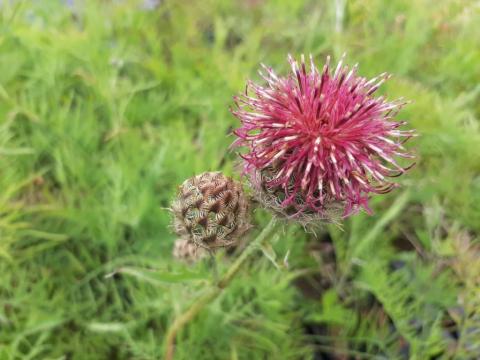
<point>215,290</point>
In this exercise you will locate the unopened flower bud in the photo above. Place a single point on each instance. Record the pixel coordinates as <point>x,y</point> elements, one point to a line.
<point>211,211</point>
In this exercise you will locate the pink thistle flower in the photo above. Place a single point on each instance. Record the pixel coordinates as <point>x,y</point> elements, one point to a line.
<point>319,142</point>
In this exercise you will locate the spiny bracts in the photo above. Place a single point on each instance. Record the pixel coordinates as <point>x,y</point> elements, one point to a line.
<point>211,210</point>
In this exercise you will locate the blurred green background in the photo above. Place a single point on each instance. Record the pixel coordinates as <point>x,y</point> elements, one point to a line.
<point>106,106</point>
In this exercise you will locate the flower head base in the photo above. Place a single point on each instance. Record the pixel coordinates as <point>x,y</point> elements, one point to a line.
<point>319,143</point>
<point>211,211</point>
<point>187,251</point>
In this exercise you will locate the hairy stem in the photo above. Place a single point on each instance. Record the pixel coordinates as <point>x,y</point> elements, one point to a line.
<point>214,291</point>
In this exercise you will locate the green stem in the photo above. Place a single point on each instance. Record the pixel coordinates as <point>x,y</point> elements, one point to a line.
<point>186,317</point>
<point>215,291</point>
<point>254,245</point>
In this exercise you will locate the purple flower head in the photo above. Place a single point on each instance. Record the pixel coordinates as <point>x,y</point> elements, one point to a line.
<point>319,142</point>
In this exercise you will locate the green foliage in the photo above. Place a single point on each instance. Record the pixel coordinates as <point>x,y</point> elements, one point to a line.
<point>106,106</point>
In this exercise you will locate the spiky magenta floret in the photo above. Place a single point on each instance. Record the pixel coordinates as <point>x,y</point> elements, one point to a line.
<point>324,138</point>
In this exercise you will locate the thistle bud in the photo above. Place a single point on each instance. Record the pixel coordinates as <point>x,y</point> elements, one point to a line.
<point>211,211</point>
<point>187,251</point>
